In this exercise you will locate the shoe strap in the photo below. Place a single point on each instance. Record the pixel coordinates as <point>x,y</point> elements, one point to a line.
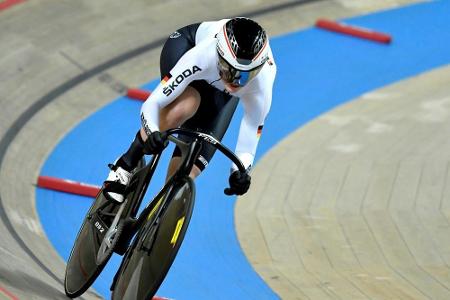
<point>114,187</point>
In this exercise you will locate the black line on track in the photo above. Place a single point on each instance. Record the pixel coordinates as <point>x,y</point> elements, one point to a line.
<point>32,110</point>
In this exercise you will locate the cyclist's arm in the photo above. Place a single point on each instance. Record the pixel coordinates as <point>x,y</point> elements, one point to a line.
<point>256,107</point>
<point>256,103</point>
<point>190,67</point>
<point>249,132</point>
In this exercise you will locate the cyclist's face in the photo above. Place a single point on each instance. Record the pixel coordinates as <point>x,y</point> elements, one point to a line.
<point>231,87</point>
<point>234,79</point>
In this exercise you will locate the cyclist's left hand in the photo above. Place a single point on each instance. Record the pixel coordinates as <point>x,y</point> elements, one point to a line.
<point>239,183</point>
<point>155,143</point>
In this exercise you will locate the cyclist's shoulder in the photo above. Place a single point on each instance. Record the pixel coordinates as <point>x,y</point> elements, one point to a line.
<point>202,54</point>
<point>207,30</point>
<point>265,79</point>
<point>259,90</point>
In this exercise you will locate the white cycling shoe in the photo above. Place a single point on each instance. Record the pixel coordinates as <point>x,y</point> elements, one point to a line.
<point>116,183</point>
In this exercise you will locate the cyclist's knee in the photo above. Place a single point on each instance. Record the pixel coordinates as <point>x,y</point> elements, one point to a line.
<point>180,110</point>
<point>175,164</point>
<point>195,172</point>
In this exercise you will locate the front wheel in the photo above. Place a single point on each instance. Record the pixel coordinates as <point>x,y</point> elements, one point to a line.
<point>156,244</point>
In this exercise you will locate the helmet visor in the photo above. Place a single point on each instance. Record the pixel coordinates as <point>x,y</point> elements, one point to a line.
<point>234,76</point>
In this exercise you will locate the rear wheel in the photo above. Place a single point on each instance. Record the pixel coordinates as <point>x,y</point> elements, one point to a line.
<point>156,244</point>
<point>93,246</point>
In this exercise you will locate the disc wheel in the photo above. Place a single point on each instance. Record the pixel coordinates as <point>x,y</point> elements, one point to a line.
<point>154,249</point>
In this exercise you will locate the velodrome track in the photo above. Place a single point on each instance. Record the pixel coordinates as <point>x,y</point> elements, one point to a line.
<point>359,221</point>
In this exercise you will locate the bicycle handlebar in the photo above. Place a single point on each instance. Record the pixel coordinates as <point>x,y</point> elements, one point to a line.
<point>169,134</point>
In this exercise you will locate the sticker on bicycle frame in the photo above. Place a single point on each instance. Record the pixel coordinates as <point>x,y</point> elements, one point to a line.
<point>208,138</point>
<point>99,227</point>
<point>177,231</point>
<point>154,209</point>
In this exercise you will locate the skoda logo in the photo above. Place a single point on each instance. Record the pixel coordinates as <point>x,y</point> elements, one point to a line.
<point>175,35</point>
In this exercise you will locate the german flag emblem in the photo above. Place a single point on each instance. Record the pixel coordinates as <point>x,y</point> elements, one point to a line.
<point>258,134</point>
<point>166,78</point>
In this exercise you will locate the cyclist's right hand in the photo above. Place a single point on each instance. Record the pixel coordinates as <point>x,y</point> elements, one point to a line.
<point>155,143</point>
<point>239,183</point>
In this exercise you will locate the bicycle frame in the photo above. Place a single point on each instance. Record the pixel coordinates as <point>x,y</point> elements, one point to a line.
<point>153,216</point>
<point>109,227</point>
<point>189,152</point>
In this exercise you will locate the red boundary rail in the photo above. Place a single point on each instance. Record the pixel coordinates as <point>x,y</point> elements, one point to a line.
<point>355,31</point>
<point>8,3</point>
<point>72,187</point>
<point>68,186</point>
<point>13,297</point>
<point>138,94</point>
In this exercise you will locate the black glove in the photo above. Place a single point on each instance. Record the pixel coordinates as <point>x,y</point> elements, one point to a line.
<point>239,183</point>
<point>155,143</point>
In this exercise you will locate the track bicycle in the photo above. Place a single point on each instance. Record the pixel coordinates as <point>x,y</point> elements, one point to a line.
<point>158,230</point>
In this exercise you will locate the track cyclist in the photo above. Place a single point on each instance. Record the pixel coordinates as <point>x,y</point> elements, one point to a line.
<point>205,68</point>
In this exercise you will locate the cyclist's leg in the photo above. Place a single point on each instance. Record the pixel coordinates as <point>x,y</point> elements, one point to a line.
<point>172,116</point>
<point>179,111</point>
<point>173,166</point>
<point>212,117</point>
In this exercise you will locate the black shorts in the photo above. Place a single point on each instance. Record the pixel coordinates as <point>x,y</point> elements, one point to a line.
<point>216,107</point>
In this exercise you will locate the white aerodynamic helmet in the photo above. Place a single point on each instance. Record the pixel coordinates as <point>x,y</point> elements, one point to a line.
<point>242,50</point>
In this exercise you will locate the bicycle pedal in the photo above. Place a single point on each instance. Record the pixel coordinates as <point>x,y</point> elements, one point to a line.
<point>126,236</point>
<point>130,221</point>
<point>123,243</point>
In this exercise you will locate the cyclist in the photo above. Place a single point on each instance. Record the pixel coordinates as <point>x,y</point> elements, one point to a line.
<point>205,68</point>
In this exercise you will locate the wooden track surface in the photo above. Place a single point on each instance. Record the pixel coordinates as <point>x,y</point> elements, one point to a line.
<point>355,205</point>
<point>45,45</point>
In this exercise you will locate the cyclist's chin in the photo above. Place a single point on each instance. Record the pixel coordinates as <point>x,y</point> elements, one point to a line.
<point>231,87</point>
